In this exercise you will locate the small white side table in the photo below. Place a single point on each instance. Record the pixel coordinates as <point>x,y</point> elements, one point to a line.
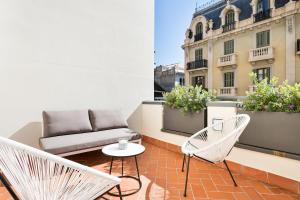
<point>132,150</point>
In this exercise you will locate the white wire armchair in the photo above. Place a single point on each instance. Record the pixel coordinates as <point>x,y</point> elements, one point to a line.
<point>31,174</point>
<point>214,143</point>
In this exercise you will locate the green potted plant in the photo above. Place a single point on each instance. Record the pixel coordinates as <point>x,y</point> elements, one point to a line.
<point>275,118</point>
<point>184,109</point>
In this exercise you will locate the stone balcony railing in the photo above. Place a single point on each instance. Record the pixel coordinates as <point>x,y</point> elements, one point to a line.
<point>263,53</point>
<point>227,60</point>
<point>252,88</point>
<point>227,91</point>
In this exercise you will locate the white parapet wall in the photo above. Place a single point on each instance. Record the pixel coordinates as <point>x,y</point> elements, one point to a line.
<point>152,123</point>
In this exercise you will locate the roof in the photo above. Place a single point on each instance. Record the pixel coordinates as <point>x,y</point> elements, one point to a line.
<point>213,12</point>
<point>280,3</point>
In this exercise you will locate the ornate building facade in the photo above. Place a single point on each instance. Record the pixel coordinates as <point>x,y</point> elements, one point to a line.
<point>229,39</point>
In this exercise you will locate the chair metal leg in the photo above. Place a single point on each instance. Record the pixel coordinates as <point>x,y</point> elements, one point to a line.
<point>187,174</point>
<point>230,173</point>
<point>8,187</point>
<point>119,190</point>
<point>183,162</point>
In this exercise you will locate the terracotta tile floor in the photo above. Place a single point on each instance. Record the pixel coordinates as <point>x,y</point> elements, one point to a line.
<point>162,178</point>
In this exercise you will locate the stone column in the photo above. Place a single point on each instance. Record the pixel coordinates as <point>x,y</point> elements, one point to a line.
<point>272,4</point>
<point>186,73</point>
<point>290,51</point>
<point>272,7</point>
<point>210,60</point>
<point>253,4</point>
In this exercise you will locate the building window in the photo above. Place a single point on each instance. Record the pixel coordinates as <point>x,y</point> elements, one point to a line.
<point>229,17</point>
<point>262,5</point>
<point>181,81</point>
<point>263,73</point>
<point>199,32</point>
<point>229,23</point>
<point>263,39</point>
<point>199,28</point>
<point>198,80</point>
<point>198,54</point>
<point>229,47</point>
<point>263,10</point>
<point>229,79</point>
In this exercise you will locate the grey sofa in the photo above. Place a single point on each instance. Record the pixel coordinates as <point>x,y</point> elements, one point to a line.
<point>72,132</point>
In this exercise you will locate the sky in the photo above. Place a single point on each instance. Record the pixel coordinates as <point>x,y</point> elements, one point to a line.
<point>172,18</point>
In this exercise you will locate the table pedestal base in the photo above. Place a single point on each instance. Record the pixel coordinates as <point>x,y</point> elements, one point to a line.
<point>127,176</point>
<point>131,193</point>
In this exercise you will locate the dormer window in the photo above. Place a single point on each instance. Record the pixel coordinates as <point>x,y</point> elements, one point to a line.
<point>198,27</point>
<point>199,32</point>
<point>229,21</point>
<point>229,17</point>
<point>263,10</point>
<point>260,6</point>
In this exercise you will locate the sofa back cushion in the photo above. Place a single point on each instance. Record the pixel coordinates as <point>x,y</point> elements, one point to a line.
<point>107,119</point>
<point>57,123</point>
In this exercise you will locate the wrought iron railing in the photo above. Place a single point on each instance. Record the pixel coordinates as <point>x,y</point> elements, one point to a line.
<point>198,37</point>
<point>197,64</point>
<point>262,15</point>
<point>228,27</point>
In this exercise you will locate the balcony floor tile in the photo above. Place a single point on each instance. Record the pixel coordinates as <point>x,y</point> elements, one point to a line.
<point>162,178</point>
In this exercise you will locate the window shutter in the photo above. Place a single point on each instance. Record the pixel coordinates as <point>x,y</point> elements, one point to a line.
<point>229,79</point>
<point>263,39</point>
<point>198,54</point>
<point>229,47</point>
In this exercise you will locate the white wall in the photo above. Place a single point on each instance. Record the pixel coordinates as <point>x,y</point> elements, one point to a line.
<point>72,54</point>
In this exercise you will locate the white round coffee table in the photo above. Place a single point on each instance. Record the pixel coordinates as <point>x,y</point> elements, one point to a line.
<point>132,150</point>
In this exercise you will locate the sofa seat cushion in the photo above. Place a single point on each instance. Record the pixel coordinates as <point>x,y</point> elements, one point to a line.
<point>68,143</point>
<point>57,123</point>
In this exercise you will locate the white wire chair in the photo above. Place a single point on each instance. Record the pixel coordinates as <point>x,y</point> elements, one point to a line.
<point>214,143</point>
<point>31,174</point>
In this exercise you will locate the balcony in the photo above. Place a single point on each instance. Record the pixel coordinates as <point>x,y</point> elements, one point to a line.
<point>73,80</point>
<point>198,37</point>
<point>227,91</point>
<point>198,64</point>
<point>263,15</point>
<point>263,53</point>
<point>227,60</point>
<point>298,46</point>
<point>228,27</point>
